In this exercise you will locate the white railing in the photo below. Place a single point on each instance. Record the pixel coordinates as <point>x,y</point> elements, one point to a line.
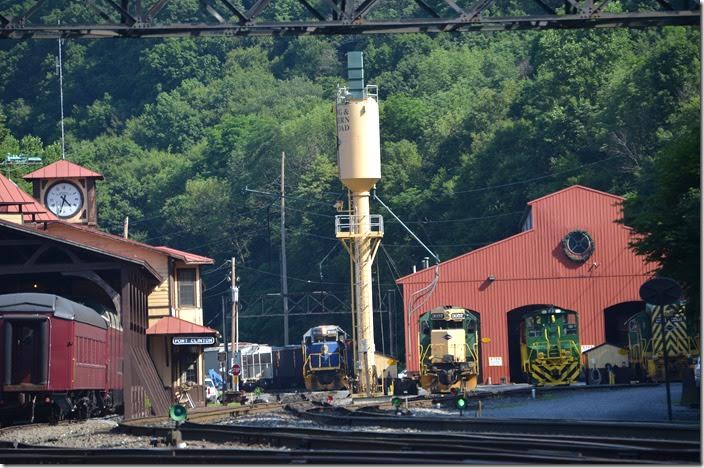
<point>371,91</point>
<point>348,223</point>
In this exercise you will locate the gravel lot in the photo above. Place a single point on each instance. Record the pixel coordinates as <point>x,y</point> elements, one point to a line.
<point>618,404</point>
<point>94,433</point>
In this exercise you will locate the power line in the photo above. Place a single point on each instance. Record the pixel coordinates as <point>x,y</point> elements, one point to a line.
<point>526,181</point>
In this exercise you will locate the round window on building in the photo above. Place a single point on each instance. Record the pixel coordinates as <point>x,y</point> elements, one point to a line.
<point>578,246</point>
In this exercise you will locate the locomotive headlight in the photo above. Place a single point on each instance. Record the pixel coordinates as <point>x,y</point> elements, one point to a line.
<point>325,349</point>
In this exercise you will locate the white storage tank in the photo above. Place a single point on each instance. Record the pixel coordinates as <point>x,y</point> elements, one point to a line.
<point>358,153</point>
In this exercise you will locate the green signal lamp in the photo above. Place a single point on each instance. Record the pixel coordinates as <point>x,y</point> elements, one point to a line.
<point>461,404</point>
<point>178,413</point>
<point>396,401</point>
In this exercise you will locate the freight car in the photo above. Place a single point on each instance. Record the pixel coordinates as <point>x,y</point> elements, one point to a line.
<point>58,358</point>
<point>449,349</point>
<point>549,342</point>
<point>282,371</point>
<point>327,357</point>
<point>645,342</point>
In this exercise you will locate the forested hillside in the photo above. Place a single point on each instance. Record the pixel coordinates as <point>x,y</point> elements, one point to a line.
<point>473,126</point>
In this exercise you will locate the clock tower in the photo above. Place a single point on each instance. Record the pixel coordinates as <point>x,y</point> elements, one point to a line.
<point>67,190</point>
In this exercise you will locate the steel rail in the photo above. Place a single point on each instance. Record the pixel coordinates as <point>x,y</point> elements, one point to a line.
<point>38,454</point>
<point>630,449</point>
<point>618,429</point>
<point>458,444</point>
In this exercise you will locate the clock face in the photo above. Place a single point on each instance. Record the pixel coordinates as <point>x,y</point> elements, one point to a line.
<point>64,199</point>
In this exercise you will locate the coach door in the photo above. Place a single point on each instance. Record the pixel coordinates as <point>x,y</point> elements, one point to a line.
<point>26,362</point>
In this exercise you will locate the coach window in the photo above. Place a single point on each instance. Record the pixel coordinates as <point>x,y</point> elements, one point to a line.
<point>186,278</point>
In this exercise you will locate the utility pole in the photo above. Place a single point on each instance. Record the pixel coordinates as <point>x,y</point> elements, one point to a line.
<point>126,227</point>
<point>390,309</point>
<point>235,332</point>
<point>284,275</point>
<point>224,340</point>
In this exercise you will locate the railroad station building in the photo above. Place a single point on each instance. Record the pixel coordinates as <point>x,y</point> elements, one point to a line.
<point>571,253</point>
<point>173,330</point>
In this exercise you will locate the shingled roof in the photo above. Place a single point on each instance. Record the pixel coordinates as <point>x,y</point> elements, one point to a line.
<point>13,199</point>
<point>62,169</point>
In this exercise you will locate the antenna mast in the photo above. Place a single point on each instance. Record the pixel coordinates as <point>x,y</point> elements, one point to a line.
<point>61,97</point>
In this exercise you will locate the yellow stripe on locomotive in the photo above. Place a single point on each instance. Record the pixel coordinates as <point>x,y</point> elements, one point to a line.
<point>550,353</point>
<point>646,333</point>
<point>448,349</point>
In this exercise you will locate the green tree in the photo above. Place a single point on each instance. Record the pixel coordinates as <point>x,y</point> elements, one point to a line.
<point>664,212</point>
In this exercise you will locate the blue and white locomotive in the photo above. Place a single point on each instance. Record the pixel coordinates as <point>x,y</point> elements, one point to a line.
<point>327,357</point>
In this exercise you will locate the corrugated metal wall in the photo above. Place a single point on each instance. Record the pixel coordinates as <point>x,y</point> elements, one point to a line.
<point>531,268</point>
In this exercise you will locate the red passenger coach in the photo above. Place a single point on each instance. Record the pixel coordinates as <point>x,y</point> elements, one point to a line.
<point>58,356</point>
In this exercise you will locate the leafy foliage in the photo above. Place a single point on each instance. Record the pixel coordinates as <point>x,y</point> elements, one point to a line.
<point>189,135</point>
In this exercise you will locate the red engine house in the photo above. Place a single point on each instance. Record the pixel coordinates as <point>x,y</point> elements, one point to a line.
<point>58,357</point>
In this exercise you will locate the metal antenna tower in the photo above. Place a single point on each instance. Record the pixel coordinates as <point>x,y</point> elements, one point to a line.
<point>59,65</point>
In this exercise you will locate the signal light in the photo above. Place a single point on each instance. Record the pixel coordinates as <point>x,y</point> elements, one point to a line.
<point>453,391</point>
<point>461,404</point>
<point>396,401</point>
<point>178,413</point>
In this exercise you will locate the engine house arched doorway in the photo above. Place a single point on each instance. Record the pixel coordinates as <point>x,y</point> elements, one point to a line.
<point>516,328</point>
<point>615,321</point>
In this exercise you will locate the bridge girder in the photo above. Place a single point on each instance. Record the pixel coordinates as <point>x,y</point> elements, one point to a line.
<point>136,19</point>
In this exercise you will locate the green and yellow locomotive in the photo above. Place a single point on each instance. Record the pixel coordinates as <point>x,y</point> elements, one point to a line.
<point>550,353</point>
<point>449,349</point>
<point>645,342</point>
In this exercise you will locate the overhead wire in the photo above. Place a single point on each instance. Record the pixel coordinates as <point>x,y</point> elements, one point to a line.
<point>534,179</point>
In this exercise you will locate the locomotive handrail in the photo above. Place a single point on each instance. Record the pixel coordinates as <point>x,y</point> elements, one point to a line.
<point>308,363</point>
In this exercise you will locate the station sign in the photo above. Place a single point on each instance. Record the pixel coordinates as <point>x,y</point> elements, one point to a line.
<point>192,340</point>
<point>495,361</point>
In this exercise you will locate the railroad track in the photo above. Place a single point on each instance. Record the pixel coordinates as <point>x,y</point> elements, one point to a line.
<point>528,445</point>
<point>217,412</point>
<point>370,416</point>
<point>36,455</point>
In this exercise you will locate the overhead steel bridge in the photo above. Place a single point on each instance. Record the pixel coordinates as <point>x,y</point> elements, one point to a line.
<point>157,18</point>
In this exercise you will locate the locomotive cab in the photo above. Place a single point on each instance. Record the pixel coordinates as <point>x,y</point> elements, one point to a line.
<point>325,356</point>
<point>550,352</point>
<point>449,350</point>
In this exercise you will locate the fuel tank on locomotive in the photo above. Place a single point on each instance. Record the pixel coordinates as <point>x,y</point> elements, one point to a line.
<point>57,357</point>
<point>327,358</point>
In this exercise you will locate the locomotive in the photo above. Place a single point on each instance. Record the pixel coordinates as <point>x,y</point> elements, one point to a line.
<point>645,342</point>
<point>449,349</point>
<point>327,358</point>
<point>58,358</point>
<point>549,342</point>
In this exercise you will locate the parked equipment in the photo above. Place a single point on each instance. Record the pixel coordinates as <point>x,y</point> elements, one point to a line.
<point>550,353</point>
<point>58,358</point>
<point>326,358</point>
<point>646,331</point>
<point>449,349</point>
